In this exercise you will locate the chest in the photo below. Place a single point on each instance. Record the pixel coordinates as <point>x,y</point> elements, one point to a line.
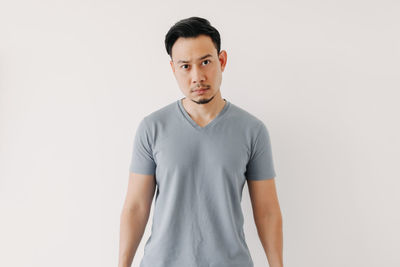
<point>195,151</point>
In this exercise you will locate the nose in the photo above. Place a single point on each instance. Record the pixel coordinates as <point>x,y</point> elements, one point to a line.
<point>197,75</point>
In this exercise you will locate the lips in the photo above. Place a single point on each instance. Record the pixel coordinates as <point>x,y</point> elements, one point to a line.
<point>200,89</point>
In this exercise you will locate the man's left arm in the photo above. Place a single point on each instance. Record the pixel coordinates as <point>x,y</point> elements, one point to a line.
<point>268,218</point>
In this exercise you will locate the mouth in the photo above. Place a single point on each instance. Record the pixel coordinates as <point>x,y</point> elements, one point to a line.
<point>200,91</point>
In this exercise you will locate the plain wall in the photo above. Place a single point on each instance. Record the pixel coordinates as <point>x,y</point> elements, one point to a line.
<point>76,77</point>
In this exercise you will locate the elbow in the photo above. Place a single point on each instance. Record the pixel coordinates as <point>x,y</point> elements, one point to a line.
<point>274,216</point>
<point>135,210</point>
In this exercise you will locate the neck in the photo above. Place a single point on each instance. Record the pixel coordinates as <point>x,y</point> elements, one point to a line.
<point>205,111</point>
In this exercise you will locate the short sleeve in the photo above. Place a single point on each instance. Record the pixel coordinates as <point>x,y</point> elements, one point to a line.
<point>260,165</point>
<point>142,160</point>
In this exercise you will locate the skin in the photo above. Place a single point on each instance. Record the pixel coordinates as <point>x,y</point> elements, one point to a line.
<point>201,67</point>
<point>268,218</point>
<point>193,73</point>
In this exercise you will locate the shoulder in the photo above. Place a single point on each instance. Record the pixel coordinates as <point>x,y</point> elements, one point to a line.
<point>161,113</point>
<point>157,121</point>
<point>244,118</point>
<point>160,116</point>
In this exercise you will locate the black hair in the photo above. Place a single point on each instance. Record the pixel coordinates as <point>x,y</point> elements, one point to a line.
<point>191,27</point>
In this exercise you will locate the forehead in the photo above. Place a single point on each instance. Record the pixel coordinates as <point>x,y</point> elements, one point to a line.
<point>190,49</point>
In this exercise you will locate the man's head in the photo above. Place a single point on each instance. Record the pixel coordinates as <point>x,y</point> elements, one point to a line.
<point>196,60</point>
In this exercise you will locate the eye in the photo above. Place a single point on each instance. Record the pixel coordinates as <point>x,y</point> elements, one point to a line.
<point>184,65</point>
<point>207,60</point>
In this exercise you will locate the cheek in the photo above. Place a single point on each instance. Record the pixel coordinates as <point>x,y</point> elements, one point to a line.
<point>214,75</point>
<point>183,80</point>
<point>213,72</point>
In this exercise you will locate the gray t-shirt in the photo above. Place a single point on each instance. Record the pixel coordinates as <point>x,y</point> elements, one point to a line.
<point>200,173</point>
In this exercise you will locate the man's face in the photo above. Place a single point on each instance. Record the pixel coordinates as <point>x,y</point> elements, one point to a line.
<point>195,64</point>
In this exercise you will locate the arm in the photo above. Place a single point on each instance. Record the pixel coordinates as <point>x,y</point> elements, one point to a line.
<point>134,215</point>
<point>268,218</point>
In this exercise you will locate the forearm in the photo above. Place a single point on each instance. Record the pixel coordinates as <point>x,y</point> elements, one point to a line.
<point>269,230</point>
<point>132,227</point>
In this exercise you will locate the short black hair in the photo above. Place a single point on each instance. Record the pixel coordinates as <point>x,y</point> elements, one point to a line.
<point>191,27</point>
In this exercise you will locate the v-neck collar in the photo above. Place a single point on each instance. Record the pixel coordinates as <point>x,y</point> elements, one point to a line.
<point>194,124</point>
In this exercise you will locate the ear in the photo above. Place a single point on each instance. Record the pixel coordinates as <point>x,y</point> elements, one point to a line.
<point>223,56</point>
<point>172,66</point>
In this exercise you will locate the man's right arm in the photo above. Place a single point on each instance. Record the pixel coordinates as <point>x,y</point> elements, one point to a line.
<point>134,215</point>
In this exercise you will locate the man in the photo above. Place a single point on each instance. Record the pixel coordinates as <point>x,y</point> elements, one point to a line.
<point>199,151</point>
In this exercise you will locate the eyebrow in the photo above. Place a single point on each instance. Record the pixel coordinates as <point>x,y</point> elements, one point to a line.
<point>203,57</point>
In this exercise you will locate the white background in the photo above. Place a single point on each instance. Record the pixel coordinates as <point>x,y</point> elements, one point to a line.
<point>76,77</point>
